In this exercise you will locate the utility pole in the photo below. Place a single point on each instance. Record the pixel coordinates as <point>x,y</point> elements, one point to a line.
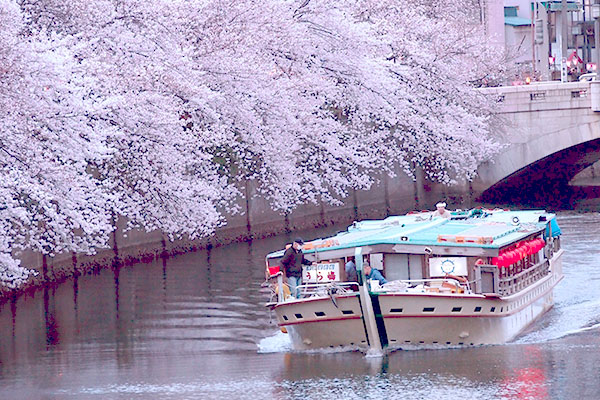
<point>564,77</point>
<point>541,48</point>
<point>596,16</point>
<point>533,39</point>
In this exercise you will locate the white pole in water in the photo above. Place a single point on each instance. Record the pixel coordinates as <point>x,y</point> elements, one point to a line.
<point>375,349</point>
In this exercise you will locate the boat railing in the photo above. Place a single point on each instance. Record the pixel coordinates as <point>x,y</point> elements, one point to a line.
<point>325,289</point>
<point>513,280</point>
<point>439,285</point>
<point>429,285</point>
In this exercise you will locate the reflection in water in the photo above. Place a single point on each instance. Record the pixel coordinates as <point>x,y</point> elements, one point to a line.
<point>13,313</point>
<point>75,292</point>
<point>52,337</point>
<point>188,327</point>
<point>116,271</point>
<point>527,382</point>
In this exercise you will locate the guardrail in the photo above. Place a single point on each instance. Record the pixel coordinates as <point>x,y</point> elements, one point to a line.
<point>515,280</point>
<point>547,96</point>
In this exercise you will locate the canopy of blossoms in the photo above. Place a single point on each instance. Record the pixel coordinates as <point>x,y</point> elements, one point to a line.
<point>159,110</point>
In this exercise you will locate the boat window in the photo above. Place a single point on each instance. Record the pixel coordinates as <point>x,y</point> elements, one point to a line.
<point>396,266</point>
<point>456,309</point>
<point>403,266</point>
<point>477,309</point>
<point>429,309</point>
<point>298,316</point>
<point>347,312</point>
<point>376,261</point>
<point>396,310</point>
<point>492,309</point>
<point>285,318</point>
<point>415,266</point>
<point>319,313</point>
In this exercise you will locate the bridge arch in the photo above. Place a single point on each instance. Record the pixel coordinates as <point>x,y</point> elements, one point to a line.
<point>538,172</point>
<point>553,133</point>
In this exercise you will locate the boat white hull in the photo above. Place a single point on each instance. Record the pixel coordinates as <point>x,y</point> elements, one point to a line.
<point>466,327</point>
<point>414,320</point>
<point>318,323</point>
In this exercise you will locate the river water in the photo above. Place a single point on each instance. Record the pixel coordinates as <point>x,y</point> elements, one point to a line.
<point>194,327</point>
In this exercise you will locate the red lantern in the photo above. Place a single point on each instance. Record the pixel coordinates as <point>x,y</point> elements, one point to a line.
<point>532,247</point>
<point>501,261</point>
<point>540,244</point>
<point>523,252</point>
<point>508,258</point>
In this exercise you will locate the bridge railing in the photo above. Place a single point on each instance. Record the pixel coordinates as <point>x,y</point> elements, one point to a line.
<point>547,96</point>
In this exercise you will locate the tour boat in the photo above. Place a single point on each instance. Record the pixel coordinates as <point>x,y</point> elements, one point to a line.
<point>478,278</point>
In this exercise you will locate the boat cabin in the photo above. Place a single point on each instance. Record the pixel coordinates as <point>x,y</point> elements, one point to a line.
<point>492,252</point>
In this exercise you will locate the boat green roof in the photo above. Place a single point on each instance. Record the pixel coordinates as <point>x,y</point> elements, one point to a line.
<point>517,21</point>
<point>475,228</point>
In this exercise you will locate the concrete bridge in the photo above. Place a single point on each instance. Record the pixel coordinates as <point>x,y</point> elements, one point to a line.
<point>552,133</point>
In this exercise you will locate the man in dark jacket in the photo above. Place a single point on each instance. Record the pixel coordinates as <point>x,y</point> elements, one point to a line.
<point>292,262</point>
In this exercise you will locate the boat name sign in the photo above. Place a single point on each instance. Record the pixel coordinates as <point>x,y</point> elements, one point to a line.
<point>320,273</point>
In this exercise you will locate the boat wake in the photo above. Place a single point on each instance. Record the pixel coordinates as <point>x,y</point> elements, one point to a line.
<point>564,321</point>
<point>280,342</point>
<point>277,343</point>
<point>585,329</point>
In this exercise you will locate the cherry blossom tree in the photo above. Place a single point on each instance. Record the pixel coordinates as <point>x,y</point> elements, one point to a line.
<point>159,111</point>
<point>49,202</point>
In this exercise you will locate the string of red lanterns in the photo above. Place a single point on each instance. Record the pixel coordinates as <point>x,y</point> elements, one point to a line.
<point>521,250</point>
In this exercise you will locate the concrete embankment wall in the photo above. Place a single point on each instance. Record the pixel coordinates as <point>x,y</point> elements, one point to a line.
<point>388,197</point>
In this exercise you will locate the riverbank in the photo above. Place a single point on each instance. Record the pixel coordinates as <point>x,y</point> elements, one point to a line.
<point>53,270</point>
<point>133,247</point>
<point>389,196</point>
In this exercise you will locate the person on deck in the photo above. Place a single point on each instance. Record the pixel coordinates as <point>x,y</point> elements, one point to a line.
<point>351,274</point>
<point>292,262</point>
<point>441,211</point>
<point>371,273</point>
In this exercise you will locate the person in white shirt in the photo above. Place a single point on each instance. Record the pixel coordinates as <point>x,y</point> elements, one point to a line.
<point>441,211</point>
